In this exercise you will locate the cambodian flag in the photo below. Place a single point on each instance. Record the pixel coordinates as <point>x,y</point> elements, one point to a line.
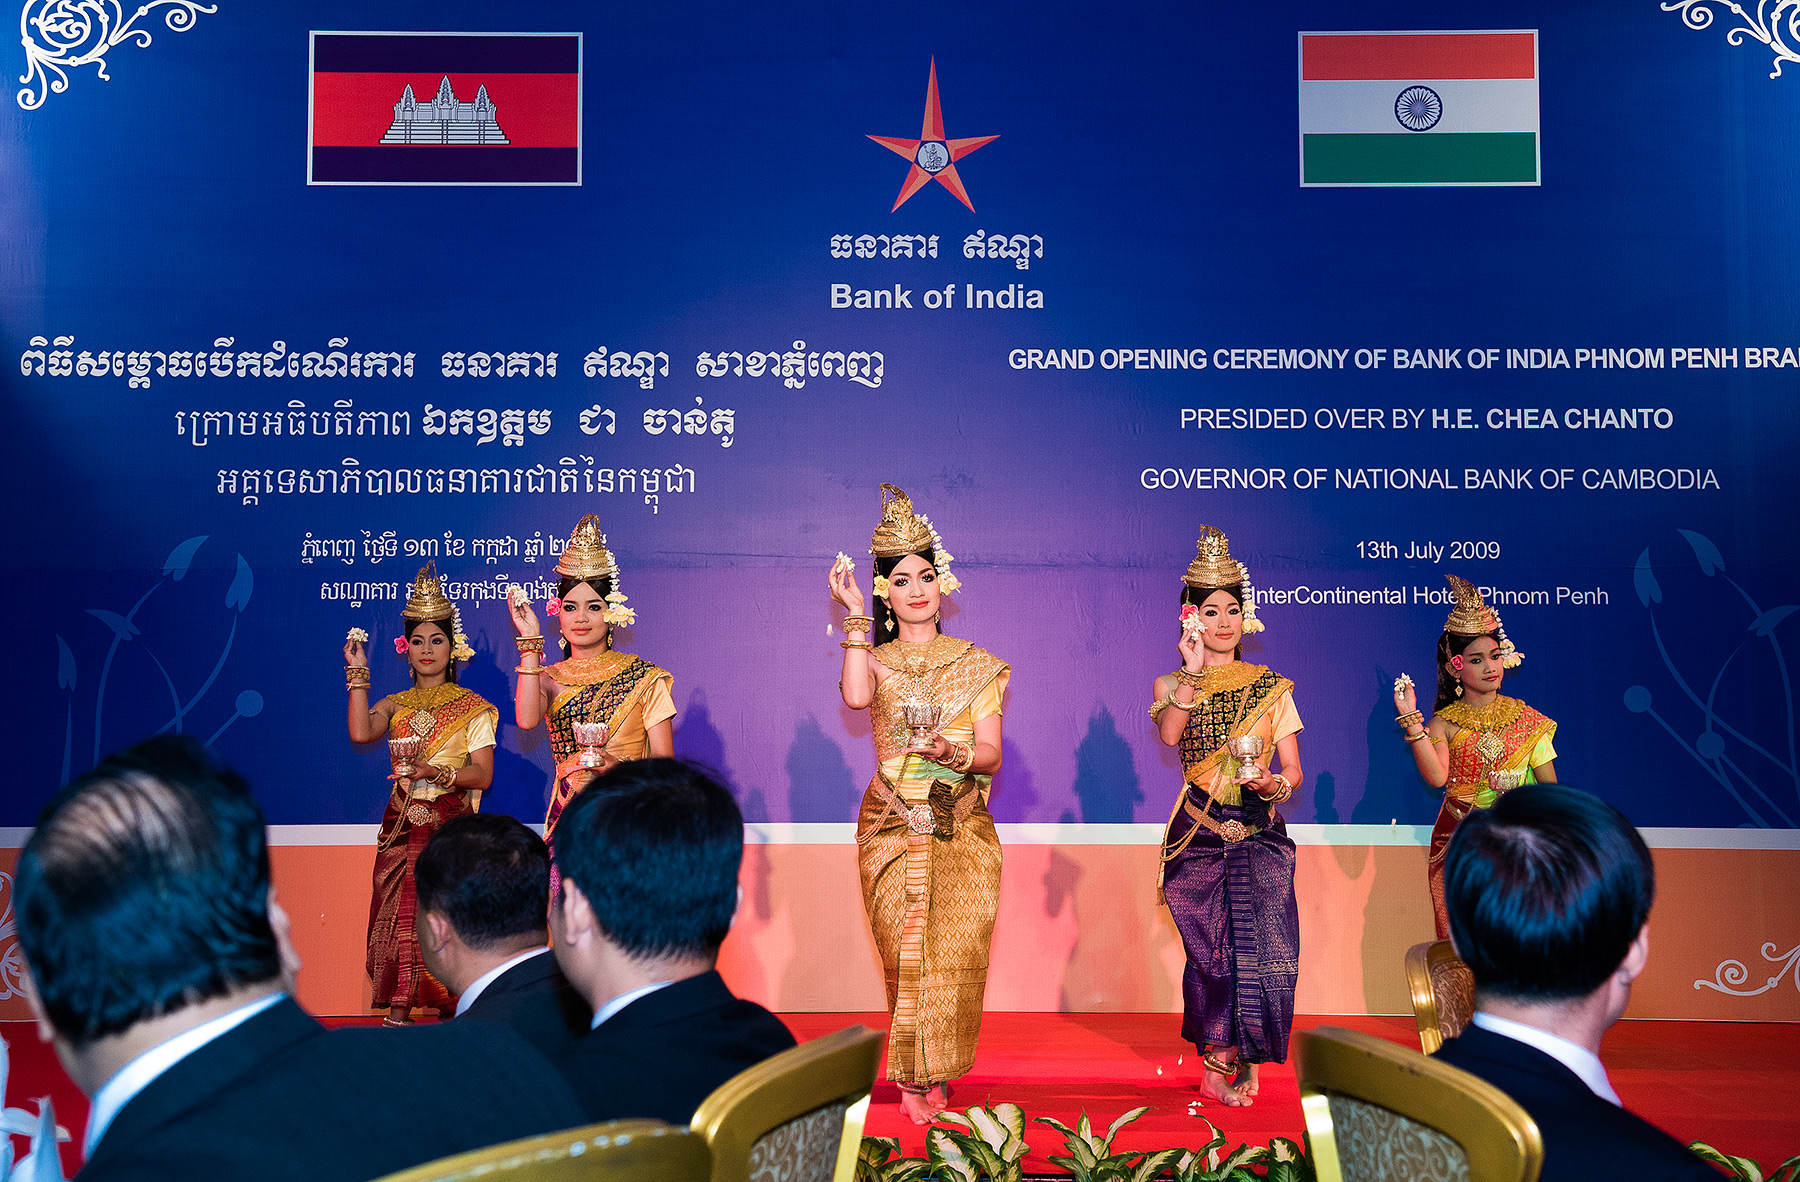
<point>1458,108</point>
<point>445,109</point>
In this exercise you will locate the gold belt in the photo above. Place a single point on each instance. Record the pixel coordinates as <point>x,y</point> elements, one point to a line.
<point>1230,832</point>
<point>937,815</point>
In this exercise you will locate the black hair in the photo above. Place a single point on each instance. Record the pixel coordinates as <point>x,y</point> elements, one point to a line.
<point>567,584</point>
<point>1452,645</point>
<point>1546,892</point>
<point>655,845</point>
<point>144,889</point>
<point>448,629</point>
<point>1199,595</point>
<point>489,876</point>
<point>887,625</point>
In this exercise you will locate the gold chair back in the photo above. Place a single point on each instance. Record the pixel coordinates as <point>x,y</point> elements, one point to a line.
<point>617,1151</point>
<point>1377,1111</point>
<point>798,1116</point>
<point>1443,992</point>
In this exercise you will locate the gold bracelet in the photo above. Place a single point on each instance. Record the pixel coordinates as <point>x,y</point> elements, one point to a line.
<point>528,668</point>
<point>356,677</point>
<point>856,644</point>
<point>1423,734</point>
<point>529,644</point>
<point>1286,790</point>
<point>858,623</point>
<point>965,759</point>
<point>1410,716</point>
<point>1191,680</point>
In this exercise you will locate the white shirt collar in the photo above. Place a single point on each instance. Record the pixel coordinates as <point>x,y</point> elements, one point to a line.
<point>142,1071</point>
<point>624,999</point>
<point>1575,1057</point>
<point>489,977</point>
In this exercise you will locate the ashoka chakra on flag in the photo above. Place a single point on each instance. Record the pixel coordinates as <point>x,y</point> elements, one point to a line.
<point>1458,108</point>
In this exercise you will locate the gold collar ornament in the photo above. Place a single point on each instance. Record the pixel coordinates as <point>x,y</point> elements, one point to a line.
<point>428,602</point>
<point>1473,617</point>
<point>903,531</point>
<point>1214,567</point>
<point>586,558</point>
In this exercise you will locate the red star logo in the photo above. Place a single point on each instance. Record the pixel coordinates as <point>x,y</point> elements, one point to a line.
<point>931,155</point>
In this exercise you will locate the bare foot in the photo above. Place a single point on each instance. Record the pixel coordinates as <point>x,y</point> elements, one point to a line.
<point>939,1095</point>
<point>919,1107</point>
<point>1249,1078</point>
<point>1219,1088</point>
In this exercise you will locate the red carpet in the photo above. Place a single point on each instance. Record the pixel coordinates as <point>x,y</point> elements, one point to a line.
<point>1735,1085</point>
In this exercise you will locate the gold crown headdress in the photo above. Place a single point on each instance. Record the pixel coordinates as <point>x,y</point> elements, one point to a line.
<point>1213,566</point>
<point>903,531</point>
<point>1473,617</point>
<point>586,557</point>
<point>428,602</point>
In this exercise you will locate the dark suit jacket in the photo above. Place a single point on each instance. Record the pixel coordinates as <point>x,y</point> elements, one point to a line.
<point>537,1001</point>
<point>280,1097</point>
<point>1585,1136</point>
<point>665,1052</point>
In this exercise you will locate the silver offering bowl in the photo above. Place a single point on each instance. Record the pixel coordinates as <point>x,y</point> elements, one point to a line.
<point>591,736</point>
<point>1246,749</point>
<point>921,719</point>
<point>403,750</point>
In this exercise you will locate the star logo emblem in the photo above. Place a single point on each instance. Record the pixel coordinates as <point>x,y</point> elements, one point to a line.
<point>932,156</point>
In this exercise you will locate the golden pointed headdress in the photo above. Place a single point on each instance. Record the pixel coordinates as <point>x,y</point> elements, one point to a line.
<point>901,531</point>
<point>1473,617</point>
<point>586,555</point>
<point>427,600</point>
<point>1214,566</point>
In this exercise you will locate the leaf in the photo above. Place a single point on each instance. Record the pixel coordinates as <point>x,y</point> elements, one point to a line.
<point>1741,1167</point>
<point>1113,1130</point>
<point>1243,1155</point>
<point>956,1118</point>
<point>238,594</point>
<point>1058,1125</point>
<point>1156,1163</point>
<point>1644,580</point>
<point>989,1128</point>
<point>1764,624</point>
<point>122,628</point>
<point>945,1152</point>
<point>1013,1117</point>
<point>181,556</point>
<point>65,679</point>
<point>1284,1149</point>
<point>1705,552</point>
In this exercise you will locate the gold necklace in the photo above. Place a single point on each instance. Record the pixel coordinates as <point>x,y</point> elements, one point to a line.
<point>424,702</point>
<point>1498,714</point>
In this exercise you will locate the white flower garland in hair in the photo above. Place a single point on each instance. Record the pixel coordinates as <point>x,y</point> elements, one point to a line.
<point>616,611</point>
<point>459,649</point>
<point>1251,623</point>
<point>947,582</point>
<point>1510,657</point>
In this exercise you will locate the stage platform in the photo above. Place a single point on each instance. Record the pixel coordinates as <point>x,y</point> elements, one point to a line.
<point>1734,1085</point>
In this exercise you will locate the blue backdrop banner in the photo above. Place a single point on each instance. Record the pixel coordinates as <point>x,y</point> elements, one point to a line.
<point>296,297</point>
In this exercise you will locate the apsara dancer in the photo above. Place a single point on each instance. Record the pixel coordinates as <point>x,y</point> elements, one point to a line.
<point>1228,865</point>
<point>604,706</point>
<point>442,744</point>
<point>928,852</point>
<point>1480,742</point>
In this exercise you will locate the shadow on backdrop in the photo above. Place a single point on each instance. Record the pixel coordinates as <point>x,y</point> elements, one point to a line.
<point>1394,791</point>
<point>821,786</point>
<point>1013,795</point>
<point>1106,779</point>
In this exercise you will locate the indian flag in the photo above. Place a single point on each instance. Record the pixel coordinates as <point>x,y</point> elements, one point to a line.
<point>1419,108</point>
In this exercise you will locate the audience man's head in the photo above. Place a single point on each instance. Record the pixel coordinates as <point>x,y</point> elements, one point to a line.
<point>144,903</point>
<point>1548,895</point>
<point>649,857</point>
<point>484,895</point>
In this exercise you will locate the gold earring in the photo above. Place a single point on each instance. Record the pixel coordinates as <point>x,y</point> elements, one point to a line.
<point>937,616</point>
<point>1459,689</point>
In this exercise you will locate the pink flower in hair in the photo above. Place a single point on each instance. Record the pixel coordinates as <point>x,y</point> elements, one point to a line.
<point>553,608</point>
<point>1456,662</point>
<point>401,644</point>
